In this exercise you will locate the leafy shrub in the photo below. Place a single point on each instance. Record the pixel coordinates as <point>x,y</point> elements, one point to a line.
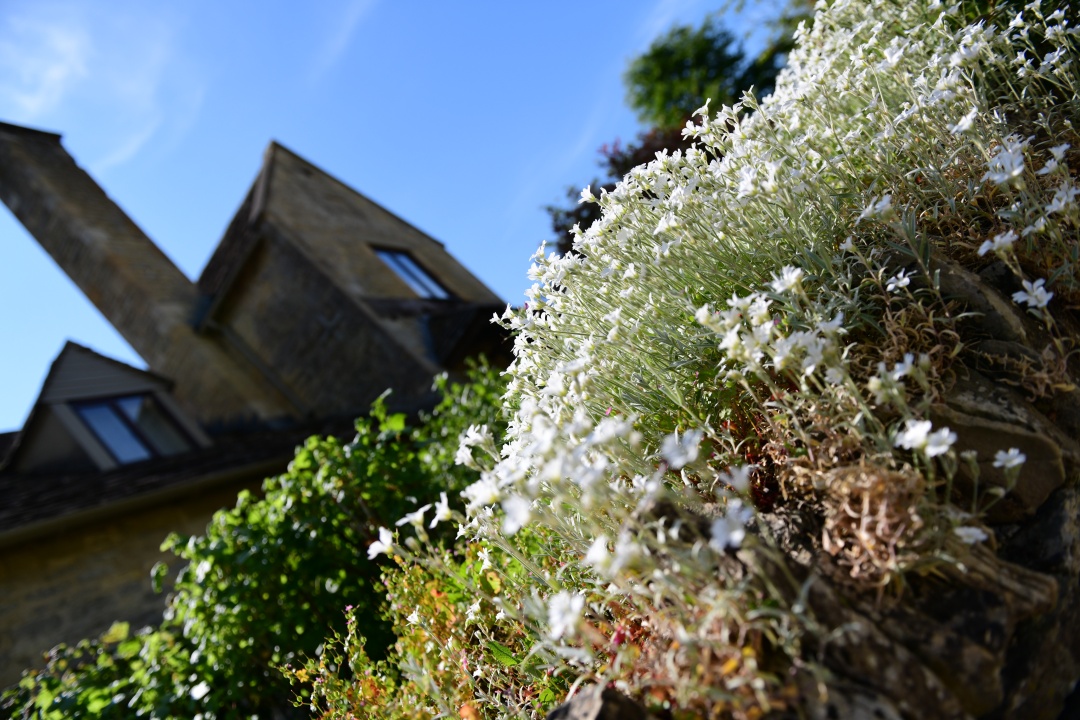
<point>271,578</point>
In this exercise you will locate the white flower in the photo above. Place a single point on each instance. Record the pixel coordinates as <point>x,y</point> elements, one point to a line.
<point>878,207</point>
<point>898,281</point>
<point>1063,197</point>
<point>564,613</point>
<point>598,555</point>
<point>1034,294</point>
<point>383,545</point>
<point>831,327</point>
<point>1000,243</point>
<point>917,436</point>
<point>626,550</point>
<point>939,442</point>
<point>518,511</point>
<point>1050,166</point>
<point>729,530</point>
<point>964,124</point>
<point>667,222</point>
<point>472,611</point>
<point>414,618</point>
<point>1009,459</point>
<point>586,195</point>
<point>1036,227</point>
<point>848,245</point>
<point>971,535</point>
<point>485,559</point>
<point>464,457</point>
<point>442,510</point>
<point>415,518</point>
<point>738,477</point>
<point>789,279</point>
<point>903,367</point>
<point>678,452</point>
<point>914,434</point>
<point>484,491</point>
<point>1008,163</point>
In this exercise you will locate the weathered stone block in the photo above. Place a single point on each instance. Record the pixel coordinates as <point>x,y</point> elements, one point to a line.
<point>1041,474</point>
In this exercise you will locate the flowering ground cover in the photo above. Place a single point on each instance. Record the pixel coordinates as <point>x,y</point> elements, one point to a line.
<point>734,388</point>
<point>791,432</point>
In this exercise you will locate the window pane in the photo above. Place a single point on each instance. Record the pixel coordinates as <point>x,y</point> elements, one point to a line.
<point>434,289</point>
<point>145,414</point>
<point>414,276</point>
<point>112,431</point>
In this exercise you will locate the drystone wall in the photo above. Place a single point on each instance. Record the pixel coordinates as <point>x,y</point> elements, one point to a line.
<point>996,636</point>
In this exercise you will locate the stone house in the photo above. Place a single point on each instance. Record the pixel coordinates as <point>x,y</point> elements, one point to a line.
<point>315,301</point>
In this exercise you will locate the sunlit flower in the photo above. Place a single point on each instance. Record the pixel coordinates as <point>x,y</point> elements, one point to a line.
<point>564,613</point>
<point>917,436</point>
<point>1008,163</point>
<point>415,518</point>
<point>964,124</point>
<point>598,555</point>
<point>484,491</point>
<point>878,207</point>
<point>677,451</point>
<point>1000,243</point>
<point>442,510</point>
<point>789,279</point>
<point>517,511</point>
<point>383,545</point>
<point>667,222</point>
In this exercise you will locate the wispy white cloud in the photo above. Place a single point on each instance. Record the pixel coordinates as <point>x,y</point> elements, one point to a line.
<point>339,38</point>
<point>113,80</point>
<point>127,148</point>
<point>41,59</point>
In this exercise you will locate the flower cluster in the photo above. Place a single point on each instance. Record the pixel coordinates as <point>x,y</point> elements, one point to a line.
<point>739,316</point>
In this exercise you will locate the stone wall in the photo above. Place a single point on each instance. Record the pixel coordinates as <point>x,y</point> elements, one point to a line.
<point>74,583</point>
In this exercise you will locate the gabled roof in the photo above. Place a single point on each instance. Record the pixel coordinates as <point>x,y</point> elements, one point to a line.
<point>34,506</point>
<point>324,219</point>
<point>79,373</point>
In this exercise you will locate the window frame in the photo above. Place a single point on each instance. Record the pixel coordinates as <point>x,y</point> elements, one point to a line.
<point>147,444</point>
<point>413,274</point>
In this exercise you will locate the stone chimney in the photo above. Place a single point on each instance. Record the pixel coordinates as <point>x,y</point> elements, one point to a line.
<point>138,289</point>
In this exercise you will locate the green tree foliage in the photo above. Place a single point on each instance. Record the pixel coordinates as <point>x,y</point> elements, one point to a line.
<point>680,70</point>
<point>665,85</point>
<point>271,578</point>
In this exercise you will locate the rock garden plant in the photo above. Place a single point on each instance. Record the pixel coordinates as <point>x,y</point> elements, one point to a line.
<point>791,427</point>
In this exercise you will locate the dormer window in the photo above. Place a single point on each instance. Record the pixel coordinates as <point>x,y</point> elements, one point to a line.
<point>133,427</point>
<point>412,274</point>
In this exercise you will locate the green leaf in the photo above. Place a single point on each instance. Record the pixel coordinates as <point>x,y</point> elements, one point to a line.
<point>117,633</point>
<point>502,654</point>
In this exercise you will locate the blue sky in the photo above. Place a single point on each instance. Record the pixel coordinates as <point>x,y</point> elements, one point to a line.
<point>463,118</point>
